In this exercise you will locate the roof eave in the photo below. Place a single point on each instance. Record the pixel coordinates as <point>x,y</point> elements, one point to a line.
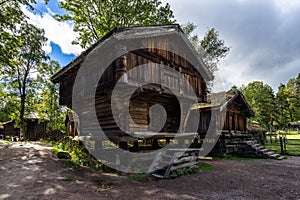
<point>207,74</point>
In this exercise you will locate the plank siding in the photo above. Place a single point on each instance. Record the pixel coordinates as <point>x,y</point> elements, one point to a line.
<point>183,81</point>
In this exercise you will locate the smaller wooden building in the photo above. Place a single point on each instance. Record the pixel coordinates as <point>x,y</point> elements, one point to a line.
<point>231,125</point>
<point>10,130</point>
<point>254,128</point>
<point>295,126</point>
<point>1,131</point>
<point>35,128</point>
<point>237,112</point>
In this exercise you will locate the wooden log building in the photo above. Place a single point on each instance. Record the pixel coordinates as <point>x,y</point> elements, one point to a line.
<point>254,128</point>
<point>9,129</point>
<point>72,124</point>
<point>234,121</point>
<point>1,131</point>
<point>155,43</point>
<point>295,126</point>
<point>35,128</point>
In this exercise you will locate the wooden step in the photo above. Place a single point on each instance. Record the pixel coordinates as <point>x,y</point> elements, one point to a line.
<point>263,150</point>
<point>257,146</point>
<point>269,153</point>
<point>188,164</point>
<point>162,163</point>
<point>179,158</point>
<point>280,158</point>
<point>158,176</point>
<point>186,150</point>
<point>275,155</point>
<point>250,142</point>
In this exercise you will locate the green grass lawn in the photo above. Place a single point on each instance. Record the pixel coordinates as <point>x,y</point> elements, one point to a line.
<point>293,137</point>
<point>292,132</point>
<point>286,133</point>
<point>292,146</point>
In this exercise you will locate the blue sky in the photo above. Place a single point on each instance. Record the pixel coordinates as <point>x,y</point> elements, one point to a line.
<point>263,35</point>
<point>60,34</point>
<point>58,55</point>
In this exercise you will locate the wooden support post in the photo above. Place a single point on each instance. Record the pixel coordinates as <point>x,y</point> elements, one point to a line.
<point>155,144</point>
<point>123,145</point>
<point>180,82</point>
<point>235,121</point>
<point>245,124</point>
<point>284,144</point>
<point>121,65</point>
<point>281,145</point>
<point>228,121</point>
<point>136,146</point>
<point>195,142</point>
<point>181,141</point>
<point>98,145</point>
<point>168,141</point>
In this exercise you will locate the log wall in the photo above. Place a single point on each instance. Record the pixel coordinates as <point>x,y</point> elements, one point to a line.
<point>175,82</point>
<point>10,130</point>
<point>152,57</point>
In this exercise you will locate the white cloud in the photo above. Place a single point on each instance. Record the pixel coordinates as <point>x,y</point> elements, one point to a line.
<point>60,33</point>
<point>263,36</point>
<point>287,5</point>
<point>47,48</point>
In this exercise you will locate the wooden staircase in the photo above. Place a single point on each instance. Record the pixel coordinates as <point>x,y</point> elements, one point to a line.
<point>251,149</point>
<point>267,153</point>
<point>172,159</point>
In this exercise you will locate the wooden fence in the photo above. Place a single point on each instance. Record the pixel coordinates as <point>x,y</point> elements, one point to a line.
<point>283,144</point>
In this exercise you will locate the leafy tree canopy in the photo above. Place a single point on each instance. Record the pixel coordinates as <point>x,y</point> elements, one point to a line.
<point>11,18</point>
<point>261,97</point>
<point>23,64</point>
<point>210,47</point>
<point>94,18</point>
<point>292,93</point>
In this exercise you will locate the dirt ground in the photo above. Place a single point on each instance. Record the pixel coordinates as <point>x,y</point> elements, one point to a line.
<point>30,171</point>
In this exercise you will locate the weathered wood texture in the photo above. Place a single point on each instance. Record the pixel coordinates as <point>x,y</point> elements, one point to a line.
<point>35,129</point>
<point>233,121</point>
<point>1,129</point>
<point>179,78</point>
<point>72,124</point>
<point>184,82</point>
<point>10,130</point>
<point>173,159</point>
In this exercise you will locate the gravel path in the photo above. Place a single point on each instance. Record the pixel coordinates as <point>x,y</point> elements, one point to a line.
<point>30,171</point>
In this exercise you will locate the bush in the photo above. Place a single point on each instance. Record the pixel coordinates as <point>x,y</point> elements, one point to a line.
<point>183,172</point>
<point>80,155</point>
<point>191,170</point>
<point>261,137</point>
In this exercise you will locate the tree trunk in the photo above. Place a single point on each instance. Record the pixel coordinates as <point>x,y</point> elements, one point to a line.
<point>23,101</point>
<point>22,112</point>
